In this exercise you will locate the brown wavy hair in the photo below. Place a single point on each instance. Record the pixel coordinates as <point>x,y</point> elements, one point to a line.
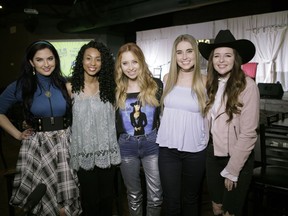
<point>235,85</point>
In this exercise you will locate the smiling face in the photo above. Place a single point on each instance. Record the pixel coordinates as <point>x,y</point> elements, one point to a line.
<point>91,61</point>
<point>223,60</point>
<point>185,56</point>
<point>130,65</point>
<point>43,62</point>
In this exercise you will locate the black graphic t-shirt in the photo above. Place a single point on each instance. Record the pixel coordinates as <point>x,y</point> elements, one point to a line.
<point>136,119</point>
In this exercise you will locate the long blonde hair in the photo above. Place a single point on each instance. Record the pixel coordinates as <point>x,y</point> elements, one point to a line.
<point>197,83</point>
<point>148,87</point>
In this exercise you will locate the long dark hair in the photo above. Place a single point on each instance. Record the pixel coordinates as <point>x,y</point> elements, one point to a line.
<point>105,75</point>
<point>27,81</point>
<point>235,85</point>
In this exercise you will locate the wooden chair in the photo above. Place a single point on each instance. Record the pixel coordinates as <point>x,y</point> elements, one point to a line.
<point>271,178</point>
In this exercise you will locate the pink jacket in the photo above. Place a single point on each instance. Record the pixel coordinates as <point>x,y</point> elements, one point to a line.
<point>238,137</point>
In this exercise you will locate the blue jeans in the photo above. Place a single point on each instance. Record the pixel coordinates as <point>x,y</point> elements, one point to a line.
<point>182,175</point>
<point>137,151</point>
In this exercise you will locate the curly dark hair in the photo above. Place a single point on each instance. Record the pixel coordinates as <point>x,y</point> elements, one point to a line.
<point>27,81</point>
<point>105,75</point>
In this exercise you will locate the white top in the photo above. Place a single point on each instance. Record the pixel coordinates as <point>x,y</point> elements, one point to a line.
<point>182,125</point>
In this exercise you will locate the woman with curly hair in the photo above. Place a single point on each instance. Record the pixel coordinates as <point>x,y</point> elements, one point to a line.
<point>137,100</point>
<point>94,148</point>
<point>43,161</point>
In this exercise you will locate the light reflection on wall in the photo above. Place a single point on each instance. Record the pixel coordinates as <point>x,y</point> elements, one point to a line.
<point>68,50</point>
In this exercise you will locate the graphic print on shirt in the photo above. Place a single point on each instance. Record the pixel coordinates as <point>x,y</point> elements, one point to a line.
<point>137,119</point>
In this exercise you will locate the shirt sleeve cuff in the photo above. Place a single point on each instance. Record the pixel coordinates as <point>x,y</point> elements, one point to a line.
<point>226,174</point>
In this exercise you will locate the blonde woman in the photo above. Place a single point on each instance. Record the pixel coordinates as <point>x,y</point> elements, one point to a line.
<point>138,107</point>
<point>183,132</point>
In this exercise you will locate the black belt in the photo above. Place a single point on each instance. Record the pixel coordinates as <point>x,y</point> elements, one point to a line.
<point>51,123</point>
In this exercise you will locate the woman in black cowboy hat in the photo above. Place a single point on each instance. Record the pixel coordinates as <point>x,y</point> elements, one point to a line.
<point>233,113</point>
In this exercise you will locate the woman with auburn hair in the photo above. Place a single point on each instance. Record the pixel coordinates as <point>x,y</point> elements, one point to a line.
<point>233,112</point>
<point>138,107</point>
<point>183,133</point>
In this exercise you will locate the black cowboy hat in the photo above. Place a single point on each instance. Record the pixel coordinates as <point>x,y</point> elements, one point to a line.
<point>224,38</point>
<point>135,103</point>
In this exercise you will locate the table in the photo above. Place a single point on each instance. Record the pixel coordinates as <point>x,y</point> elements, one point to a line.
<point>281,123</point>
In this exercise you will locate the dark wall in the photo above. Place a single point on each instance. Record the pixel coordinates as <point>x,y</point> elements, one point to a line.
<point>15,38</point>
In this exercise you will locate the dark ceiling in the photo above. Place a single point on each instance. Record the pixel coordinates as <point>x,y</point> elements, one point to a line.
<point>126,16</point>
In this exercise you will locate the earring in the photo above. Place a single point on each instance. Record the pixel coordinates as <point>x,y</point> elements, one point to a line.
<point>33,71</point>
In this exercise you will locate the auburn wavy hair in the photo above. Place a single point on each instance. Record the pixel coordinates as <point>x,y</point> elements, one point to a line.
<point>148,86</point>
<point>235,85</point>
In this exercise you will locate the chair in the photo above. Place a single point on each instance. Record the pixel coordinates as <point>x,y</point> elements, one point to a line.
<point>272,118</point>
<point>270,180</point>
<point>284,115</point>
<point>250,69</point>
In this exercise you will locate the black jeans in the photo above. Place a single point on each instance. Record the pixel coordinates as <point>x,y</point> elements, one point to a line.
<point>181,175</point>
<point>233,201</point>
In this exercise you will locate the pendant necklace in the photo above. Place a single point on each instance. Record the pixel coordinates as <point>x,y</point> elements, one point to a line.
<point>48,95</point>
<point>46,92</point>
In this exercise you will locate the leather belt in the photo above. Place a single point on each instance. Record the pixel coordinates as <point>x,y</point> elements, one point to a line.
<point>51,123</point>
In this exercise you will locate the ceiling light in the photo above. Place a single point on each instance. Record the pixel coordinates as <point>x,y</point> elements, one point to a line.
<point>30,11</point>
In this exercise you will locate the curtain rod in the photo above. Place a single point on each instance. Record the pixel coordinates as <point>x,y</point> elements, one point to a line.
<point>268,26</point>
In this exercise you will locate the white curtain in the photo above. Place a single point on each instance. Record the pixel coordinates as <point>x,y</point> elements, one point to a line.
<point>267,31</point>
<point>157,45</point>
<point>269,42</point>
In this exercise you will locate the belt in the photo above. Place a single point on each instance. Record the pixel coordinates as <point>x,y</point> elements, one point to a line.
<point>51,123</point>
